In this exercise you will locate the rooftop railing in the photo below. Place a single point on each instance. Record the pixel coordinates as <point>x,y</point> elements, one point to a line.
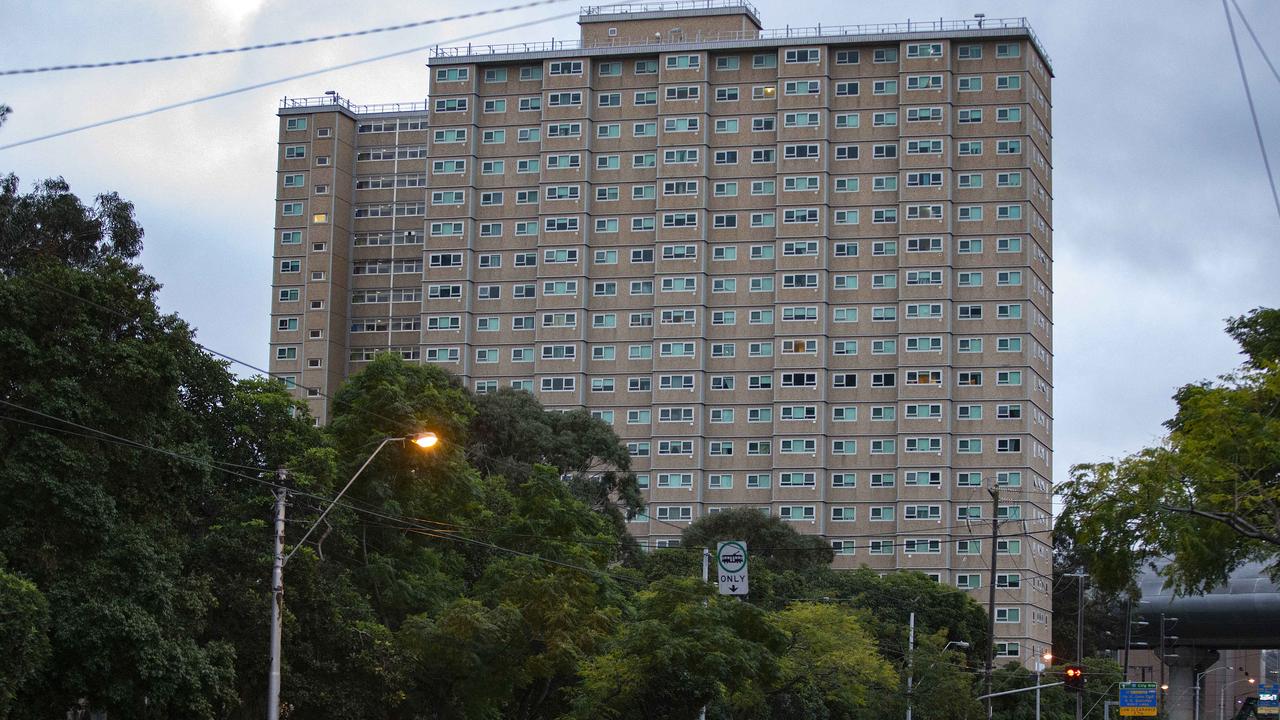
<point>733,36</point>
<point>667,6</point>
<point>335,99</point>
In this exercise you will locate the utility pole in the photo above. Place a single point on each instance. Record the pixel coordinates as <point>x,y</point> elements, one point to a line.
<point>706,577</point>
<point>991,592</point>
<point>1128,635</point>
<point>911,659</point>
<point>1080,639</point>
<point>277,602</point>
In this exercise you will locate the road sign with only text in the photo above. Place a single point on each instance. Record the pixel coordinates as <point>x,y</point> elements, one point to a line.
<point>1139,699</point>
<point>731,567</point>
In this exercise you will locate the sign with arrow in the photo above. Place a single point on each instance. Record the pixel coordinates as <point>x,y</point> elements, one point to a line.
<point>731,567</point>
<point>1138,699</point>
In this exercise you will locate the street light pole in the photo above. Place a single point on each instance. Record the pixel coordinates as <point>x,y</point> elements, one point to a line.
<point>1222,693</point>
<point>1199,678</point>
<point>425,441</point>
<point>277,601</point>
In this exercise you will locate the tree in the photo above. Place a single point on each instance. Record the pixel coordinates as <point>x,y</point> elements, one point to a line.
<point>1208,496</point>
<point>1102,677</point>
<point>771,542</point>
<point>683,649</point>
<point>110,534</point>
<point>511,433</point>
<point>1104,610</point>
<point>24,636</point>
<point>830,668</point>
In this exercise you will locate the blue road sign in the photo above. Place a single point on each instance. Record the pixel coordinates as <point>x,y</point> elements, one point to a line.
<point>1139,699</point>
<point>1269,699</point>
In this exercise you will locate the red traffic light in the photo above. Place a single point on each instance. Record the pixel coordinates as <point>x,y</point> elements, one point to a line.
<point>1073,678</point>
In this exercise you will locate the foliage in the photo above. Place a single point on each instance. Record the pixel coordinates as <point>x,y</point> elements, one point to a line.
<point>831,667</point>
<point>1101,679</point>
<point>511,433</point>
<point>771,542</point>
<point>1104,609</point>
<point>683,649</point>
<point>1208,497</point>
<point>24,636</point>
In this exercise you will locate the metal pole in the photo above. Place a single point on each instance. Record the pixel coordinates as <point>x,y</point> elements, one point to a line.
<point>991,593</point>
<point>1039,666</point>
<point>1128,634</point>
<point>334,503</point>
<point>911,653</point>
<point>1162,697</point>
<point>1198,677</point>
<point>706,577</point>
<point>277,600</point>
<point>1080,639</point>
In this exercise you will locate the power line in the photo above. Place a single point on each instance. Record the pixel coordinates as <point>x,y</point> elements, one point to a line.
<point>1256,41</point>
<point>1253,112</point>
<point>281,43</point>
<point>403,522</point>
<point>411,522</point>
<point>211,351</point>
<point>277,81</point>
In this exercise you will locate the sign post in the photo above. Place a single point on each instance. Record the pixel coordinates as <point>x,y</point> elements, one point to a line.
<point>1269,699</point>
<point>1138,699</point>
<point>731,567</point>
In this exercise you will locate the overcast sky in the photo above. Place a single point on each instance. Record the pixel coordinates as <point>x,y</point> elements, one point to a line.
<point>1163,221</point>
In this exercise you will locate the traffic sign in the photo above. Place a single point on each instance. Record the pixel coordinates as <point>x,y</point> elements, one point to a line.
<point>1269,699</point>
<point>731,567</point>
<point>1139,699</point>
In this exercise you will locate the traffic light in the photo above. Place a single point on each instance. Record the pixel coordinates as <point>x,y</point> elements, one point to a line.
<point>1073,678</point>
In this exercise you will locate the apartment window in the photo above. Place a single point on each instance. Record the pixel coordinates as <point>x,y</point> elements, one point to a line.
<point>1008,50</point>
<point>804,55</point>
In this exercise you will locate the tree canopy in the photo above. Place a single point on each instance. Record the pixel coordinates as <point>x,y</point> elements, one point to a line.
<point>1208,497</point>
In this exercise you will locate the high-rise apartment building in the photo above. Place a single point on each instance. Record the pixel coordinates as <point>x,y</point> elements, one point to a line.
<point>806,271</point>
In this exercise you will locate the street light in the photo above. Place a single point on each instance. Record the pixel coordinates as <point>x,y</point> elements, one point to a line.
<point>1199,677</point>
<point>1222,693</point>
<point>426,441</point>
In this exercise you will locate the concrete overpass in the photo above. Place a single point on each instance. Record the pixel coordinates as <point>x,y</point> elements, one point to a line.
<point>1242,614</point>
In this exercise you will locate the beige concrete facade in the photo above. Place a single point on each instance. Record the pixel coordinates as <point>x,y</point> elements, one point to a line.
<point>807,274</point>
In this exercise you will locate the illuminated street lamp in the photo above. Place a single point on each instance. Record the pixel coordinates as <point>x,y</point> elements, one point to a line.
<point>425,441</point>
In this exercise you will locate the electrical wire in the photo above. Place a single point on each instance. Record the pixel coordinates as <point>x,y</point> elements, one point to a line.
<point>215,353</point>
<point>1256,41</point>
<point>1253,111</point>
<point>433,529</point>
<point>402,522</point>
<point>277,44</point>
<point>277,81</point>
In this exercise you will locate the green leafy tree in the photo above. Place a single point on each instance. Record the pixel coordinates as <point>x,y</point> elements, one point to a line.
<point>512,433</point>
<point>1208,497</point>
<point>1102,678</point>
<point>831,667</point>
<point>110,534</point>
<point>24,636</point>
<point>1104,609</point>
<point>682,650</point>
<point>771,542</point>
